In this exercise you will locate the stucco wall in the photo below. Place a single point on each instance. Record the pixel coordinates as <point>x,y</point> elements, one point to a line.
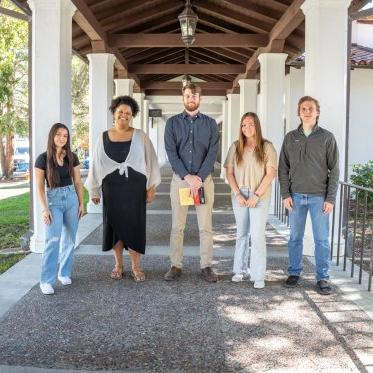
<point>361,116</point>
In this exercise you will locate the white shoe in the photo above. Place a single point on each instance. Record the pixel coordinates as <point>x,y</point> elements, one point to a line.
<point>239,277</point>
<point>259,284</point>
<point>46,289</point>
<point>64,280</point>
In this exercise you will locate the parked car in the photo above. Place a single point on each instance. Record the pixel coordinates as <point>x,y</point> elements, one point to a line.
<point>21,160</point>
<point>85,163</point>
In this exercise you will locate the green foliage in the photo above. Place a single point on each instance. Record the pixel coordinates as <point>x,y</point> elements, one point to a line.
<point>13,84</point>
<point>80,82</point>
<point>363,176</point>
<point>13,62</point>
<point>14,219</point>
<point>85,199</point>
<point>7,261</point>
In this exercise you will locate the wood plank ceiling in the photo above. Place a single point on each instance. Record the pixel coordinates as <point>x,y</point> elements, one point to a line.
<point>145,37</point>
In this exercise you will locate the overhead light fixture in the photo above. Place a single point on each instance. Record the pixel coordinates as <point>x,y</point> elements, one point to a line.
<point>186,79</point>
<point>188,22</point>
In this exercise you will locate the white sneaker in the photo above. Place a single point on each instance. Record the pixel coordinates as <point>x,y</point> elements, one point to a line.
<point>64,280</point>
<point>259,284</point>
<point>46,289</point>
<point>239,277</point>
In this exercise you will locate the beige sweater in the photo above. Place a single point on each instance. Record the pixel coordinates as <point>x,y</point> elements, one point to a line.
<point>250,172</point>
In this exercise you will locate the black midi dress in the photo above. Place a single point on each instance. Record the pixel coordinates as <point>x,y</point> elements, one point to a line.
<point>124,201</point>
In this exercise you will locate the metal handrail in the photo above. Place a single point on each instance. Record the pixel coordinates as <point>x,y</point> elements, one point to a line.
<point>280,212</point>
<point>355,196</point>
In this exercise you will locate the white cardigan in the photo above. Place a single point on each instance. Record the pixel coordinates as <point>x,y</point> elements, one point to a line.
<point>141,158</point>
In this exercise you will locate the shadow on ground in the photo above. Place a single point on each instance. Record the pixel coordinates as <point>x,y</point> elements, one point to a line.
<point>186,326</point>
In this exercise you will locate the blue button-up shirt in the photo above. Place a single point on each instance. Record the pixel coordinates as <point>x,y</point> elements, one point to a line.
<point>191,144</point>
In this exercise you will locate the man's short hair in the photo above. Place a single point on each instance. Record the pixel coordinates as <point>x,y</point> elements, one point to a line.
<point>193,87</point>
<point>308,98</point>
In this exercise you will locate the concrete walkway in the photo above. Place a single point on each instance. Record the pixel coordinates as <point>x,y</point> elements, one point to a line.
<point>98,324</point>
<point>15,188</point>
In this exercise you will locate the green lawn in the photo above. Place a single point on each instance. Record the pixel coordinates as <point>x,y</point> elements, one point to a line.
<point>6,261</point>
<point>14,218</point>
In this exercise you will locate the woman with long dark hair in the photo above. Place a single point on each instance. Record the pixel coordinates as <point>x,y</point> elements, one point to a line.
<point>250,168</point>
<point>62,206</point>
<point>125,171</point>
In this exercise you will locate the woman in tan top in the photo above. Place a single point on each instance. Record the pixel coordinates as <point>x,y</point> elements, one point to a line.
<point>250,168</point>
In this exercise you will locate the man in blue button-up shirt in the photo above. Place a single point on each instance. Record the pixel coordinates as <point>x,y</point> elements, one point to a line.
<point>191,142</point>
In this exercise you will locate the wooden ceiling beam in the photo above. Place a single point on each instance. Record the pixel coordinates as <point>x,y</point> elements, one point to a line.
<point>151,55</point>
<point>289,21</point>
<point>232,17</point>
<point>122,11</point>
<point>86,17</point>
<point>356,5</point>
<point>158,24</point>
<point>177,92</point>
<point>253,9</point>
<point>232,54</point>
<point>124,22</point>
<point>88,24</point>
<point>208,56</point>
<point>187,69</point>
<point>177,85</point>
<point>274,5</point>
<point>220,25</point>
<point>213,78</point>
<point>175,59</point>
<point>174,40</point>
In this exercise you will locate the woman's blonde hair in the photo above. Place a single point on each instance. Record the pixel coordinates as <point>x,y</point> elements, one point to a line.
<point>260,141</point>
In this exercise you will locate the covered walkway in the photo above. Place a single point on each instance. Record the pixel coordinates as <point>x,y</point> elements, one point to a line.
<point>184,326</point>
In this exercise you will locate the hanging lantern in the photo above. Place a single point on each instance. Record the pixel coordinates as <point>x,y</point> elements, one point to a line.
<point>188,22</point>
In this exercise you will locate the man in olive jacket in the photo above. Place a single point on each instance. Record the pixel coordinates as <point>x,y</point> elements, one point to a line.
<point>308,173</point>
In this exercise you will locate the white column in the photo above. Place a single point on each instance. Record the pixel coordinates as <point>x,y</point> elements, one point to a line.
<point>233,117</point>
<point>326,64</point>
<point>248,95</point>
<point>272,91</point>
<point>101,67</point>
<point>294,82</point>
<point>51,83</point>
<point>224,137</point>
<point>272,106</point>
<point>145,116</point>
<point>124,87</point>
<point>326,73</point>
<point>138,122</point>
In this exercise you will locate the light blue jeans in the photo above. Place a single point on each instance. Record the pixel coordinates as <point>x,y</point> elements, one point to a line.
<point>302,203</point>
<point>60,234</point>
<point>251,222</point>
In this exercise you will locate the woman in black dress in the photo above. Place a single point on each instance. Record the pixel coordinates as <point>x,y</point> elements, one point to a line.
<point>125,168</point>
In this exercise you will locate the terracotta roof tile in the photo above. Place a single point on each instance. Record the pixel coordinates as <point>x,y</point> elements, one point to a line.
<point>361,55</point>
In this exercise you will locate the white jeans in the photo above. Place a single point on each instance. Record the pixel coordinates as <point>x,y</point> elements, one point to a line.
<point>251,222</point>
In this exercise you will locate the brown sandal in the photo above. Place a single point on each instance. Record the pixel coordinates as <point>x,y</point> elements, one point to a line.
<point>117,274</point>
<point>138,275</point>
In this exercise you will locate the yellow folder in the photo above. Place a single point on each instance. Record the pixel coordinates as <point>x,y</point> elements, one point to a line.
<point>186,198</point>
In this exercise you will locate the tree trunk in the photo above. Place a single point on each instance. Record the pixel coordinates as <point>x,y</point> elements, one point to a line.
<point>2,157</point>
<point>9,155</point>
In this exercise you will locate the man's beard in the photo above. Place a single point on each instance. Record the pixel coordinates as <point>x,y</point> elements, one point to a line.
<point>191,106</point>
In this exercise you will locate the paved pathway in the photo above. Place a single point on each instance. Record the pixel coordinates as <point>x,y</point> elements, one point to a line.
<point>188,326</point>
<point>10,189</point>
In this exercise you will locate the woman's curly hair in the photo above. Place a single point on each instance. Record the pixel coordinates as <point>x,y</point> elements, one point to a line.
<point>125,100</point>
